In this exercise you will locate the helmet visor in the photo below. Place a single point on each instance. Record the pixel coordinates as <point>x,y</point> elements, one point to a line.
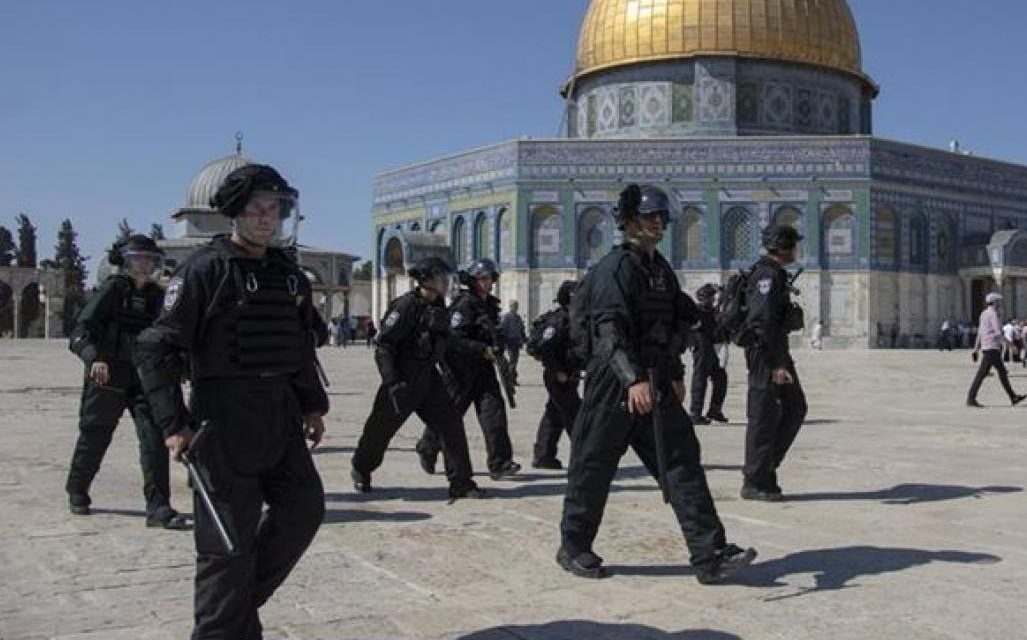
<point>271,218</point>
<point>143,263</point>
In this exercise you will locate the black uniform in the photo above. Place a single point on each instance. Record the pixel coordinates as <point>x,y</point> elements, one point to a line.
<point>106,331</point>
<point>247,327</point>
<point>556,351</point>
<point>706,365</point>
<point>411,343</point>
<point>775,412</point>
<point>639,318</point>
<point>470,378</point>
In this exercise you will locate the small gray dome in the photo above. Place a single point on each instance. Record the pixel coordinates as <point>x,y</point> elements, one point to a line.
<point>209,179</point>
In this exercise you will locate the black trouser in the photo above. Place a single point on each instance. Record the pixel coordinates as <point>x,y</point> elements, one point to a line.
<point>513,356</point>
<point>255,456</point>
<point>706,368</point>
<point>99,413</point>
<point>602,433</point>
<point>481,388</point>
<point>424,395</point>
<point>991,358</point>
<point>561,411</point>
<point>775,414</point>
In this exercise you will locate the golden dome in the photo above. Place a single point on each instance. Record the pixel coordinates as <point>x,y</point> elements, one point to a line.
<point>623,32</point>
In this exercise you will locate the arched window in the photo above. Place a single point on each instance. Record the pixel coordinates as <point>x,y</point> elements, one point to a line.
<point>482,237</point>
<point>789,216</point>
<point>415,226</point>
<point>689,242</point>
<point>505,248</point>
<point>943,244</point>
<point>546,236</point>
<point>595,236</point>
<point>839,244</point>
<point>741,237</point>
<point>436,226</point>
<point>459,244</point>
<point>918,240</point>
<point>885,236</point>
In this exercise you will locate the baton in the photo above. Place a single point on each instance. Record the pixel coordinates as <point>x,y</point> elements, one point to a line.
<point>200,485</point>
<point>658,437</point>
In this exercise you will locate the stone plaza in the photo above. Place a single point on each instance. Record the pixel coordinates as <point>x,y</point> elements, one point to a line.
<point>905,521</point>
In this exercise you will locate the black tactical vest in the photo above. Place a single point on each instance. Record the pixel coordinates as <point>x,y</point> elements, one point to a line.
<point>656,310</point>
<point>256,330</point>
<point>135,310</point>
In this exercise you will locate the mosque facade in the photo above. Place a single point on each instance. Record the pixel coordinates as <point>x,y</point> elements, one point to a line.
<point>750,113</point>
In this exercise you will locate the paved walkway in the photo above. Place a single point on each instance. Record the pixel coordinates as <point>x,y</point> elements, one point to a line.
<point>906,521</point>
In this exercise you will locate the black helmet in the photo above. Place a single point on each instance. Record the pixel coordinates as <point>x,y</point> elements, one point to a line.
<point>642,200</point>
<point>428,268</point>
<point>707,292</point>
<point>781,237</point>
<point>483,267</point>
<point>235,191</point>
<point>134,244</point>
<point>566,292</point>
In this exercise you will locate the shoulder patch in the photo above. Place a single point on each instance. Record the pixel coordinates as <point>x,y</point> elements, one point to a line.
<point>392,319</point>
<point>172,294</point>
<point>764,285</point>
<point>456,320</point>
<point>548,334</point>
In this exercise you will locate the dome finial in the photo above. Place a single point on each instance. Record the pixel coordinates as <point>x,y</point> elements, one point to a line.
<point>238,143</point>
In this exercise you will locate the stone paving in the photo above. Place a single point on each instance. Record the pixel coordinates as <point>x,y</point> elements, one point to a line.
<point>906,520</point>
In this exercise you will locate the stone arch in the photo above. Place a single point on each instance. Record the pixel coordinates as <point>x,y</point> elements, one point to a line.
<point>886,236</point>
<point>436,226</point>
<point>740,238</point>
<point>504,237</point>
<point>917,250</point>
<point>595,236</point>
<point>29,325</point>
<point>689,239</point>
<point>545,236</point>
<point>482,236</point>
<point>943,247</point>
<point>839,237</point>
<point>6,309</point>
<point>459,242</point>
<point>415,226</point>
<point>393,264</point>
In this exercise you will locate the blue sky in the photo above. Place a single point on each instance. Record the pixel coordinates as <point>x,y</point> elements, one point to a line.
<point>109,107</point>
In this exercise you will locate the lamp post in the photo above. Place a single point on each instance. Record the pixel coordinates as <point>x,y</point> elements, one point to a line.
<point>45,301</point>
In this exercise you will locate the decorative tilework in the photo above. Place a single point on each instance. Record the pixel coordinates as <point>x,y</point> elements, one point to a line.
<point>654,101</point>
<point>803,108</point>
<point>607,104</point>
<point>826,112</point>
<point>844,115</point>
<point>590,116</point>
<point>748,103</point>
<point>628,106</point>
<point>777,104</point>
<point>684,105</point>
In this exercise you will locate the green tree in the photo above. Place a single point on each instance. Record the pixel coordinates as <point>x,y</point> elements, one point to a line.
<point>26,242</point>
<point>157,231</point>
<point>364,271</point>
<point>69,258</point>
<point>8,249</point>
<point>124,229</point>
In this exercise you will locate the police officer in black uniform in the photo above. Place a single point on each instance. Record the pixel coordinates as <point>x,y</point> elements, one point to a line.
<point>412,341</point>
<point>240,309</point>
<point>561,372</point>
<point>469,368</point>
<point>776,402</point>
<point>706,364</point>
<point>104,338</point>
<point>638,322</point>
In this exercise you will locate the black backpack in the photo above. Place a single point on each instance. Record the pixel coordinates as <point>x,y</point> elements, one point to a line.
<point>535,337</point>
<point>581,320</point>
<point>734,308</point>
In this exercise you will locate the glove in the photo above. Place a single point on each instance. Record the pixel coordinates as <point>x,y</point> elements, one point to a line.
<point>398,394</point>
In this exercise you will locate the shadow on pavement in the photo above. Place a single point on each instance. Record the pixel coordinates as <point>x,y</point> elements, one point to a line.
<point>580,629</point>
<point>319,451</point>
<point>832,569</point>
<point>493,491</point>
<point>348,516</point>
<point>907,494</point>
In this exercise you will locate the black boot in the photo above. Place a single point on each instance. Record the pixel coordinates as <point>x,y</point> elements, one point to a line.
<point>78,504</point>
<point>728,560</point>
<point>700,420</point>
<point>506,470</point>
<point>361,481</point>
<point>750,492</point>
<point>717,416</point>
<point>584,565</point>
<point>472,491</point>
<point>551,464</point>
<point>429,459</point>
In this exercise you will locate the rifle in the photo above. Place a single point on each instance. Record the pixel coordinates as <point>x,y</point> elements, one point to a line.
<point>506,377</point>
<point>792,279</point>
<point>200,484</point>
<point>658,436</point>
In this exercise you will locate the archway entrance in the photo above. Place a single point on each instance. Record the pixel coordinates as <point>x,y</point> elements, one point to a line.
<point>393,265</point>
<point>6,310</point>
